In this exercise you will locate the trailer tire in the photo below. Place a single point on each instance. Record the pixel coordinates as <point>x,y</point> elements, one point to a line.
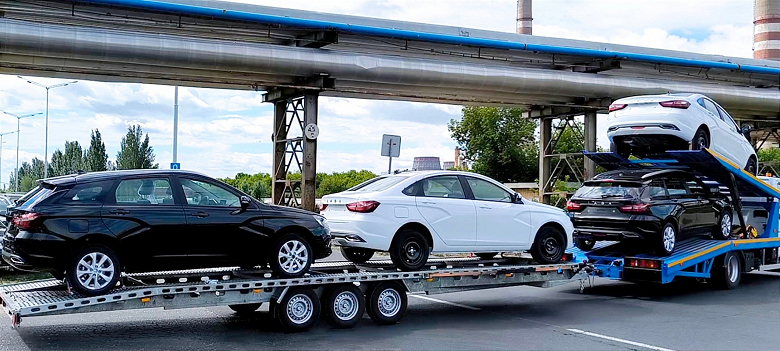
<point>727,271</point>
<point>387,303</point>
<point>409,250</point>
<point>584,244</point>
<point>246,308</point>
<point>722,230</point>
<point>549,245</point>
<point>298,310</point>
<point>357,255</point>
<point>344,306</point>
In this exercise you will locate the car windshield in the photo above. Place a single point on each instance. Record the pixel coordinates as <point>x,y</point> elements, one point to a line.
<point>380,184</point>
<point>602,190</point>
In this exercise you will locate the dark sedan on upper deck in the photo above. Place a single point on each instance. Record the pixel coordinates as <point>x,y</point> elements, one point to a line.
<point>89,228</point>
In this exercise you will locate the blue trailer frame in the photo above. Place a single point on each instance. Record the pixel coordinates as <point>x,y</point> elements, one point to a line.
<point>694,257</point>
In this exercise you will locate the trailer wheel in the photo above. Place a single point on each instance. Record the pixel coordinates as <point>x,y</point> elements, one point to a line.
<point>298,310</point>
<point>727,271</point>
<point>247,308</point>
<point>387,303</point>
<point>344,306</point>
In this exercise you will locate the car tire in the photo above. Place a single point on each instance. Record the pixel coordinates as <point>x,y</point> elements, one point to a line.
<point>94,270</point>
<point>727,271</point>
<point>700,140</point>
<point>291,256</point>
<point>486,255</point>
<point>584,244</point>
<point>246,308</point>
<point>549,245</point>
<point>722,230</point>
<point>387,303</point>
<point>621,149</point>
<point>298,310</point>
<point>751,166</point>
<point>409,250</point>
<point>356,254</point>
<point>667,240</point>
<point>344,306</point>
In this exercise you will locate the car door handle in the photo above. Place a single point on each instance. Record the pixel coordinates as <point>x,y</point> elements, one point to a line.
<point>200,214</point>
<point>427,203</point>
<point>485,208</point>
<point>119,212</point>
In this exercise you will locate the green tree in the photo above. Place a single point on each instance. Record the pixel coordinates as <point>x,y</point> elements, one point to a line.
<point>68,162</point>
<point>96,158</point>
<point>769,154</point>
<point>29,173</point>
<point>499,142</point>
<point>134,153</point>
<point>338,182</point>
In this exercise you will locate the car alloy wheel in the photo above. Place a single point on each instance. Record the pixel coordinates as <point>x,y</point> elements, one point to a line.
<point>95,271</point>
<point>668,239</point>
<point>293,257</point>
<point>725,225</point>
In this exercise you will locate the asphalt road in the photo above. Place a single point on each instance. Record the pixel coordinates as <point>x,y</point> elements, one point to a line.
<point>608,316</point>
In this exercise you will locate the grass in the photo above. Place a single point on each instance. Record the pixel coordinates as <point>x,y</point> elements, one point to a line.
<point>12,277</point>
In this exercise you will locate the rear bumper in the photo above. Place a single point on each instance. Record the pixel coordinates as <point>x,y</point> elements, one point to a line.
<point>367,231</point>
<point>33,251</point>
<point>631,230</point>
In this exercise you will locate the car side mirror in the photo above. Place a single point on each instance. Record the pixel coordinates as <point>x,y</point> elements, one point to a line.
<point>245,201</point>
<point>516,198</point>
<point>746,129</point>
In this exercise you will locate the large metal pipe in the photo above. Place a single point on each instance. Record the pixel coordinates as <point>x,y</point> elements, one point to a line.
<point>94,52</point>
<point>524,17</point>
<point>766,30</point>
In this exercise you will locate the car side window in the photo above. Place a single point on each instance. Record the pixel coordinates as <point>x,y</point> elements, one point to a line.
<point>729,120</point>
<point>656,189</point>
<point>89,193</point>
<point>200,193</point>
<point>676,187</point>
<point>443,186</point>
<point>712,108</point>
<point>486,191</point>
<point>144,191</point>
<point>695,188</point>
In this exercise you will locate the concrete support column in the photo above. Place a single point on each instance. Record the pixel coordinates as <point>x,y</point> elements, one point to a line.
<point>309,176</point>
<point>279,171</point>
<point>590,142</point>
<point>545,134</point>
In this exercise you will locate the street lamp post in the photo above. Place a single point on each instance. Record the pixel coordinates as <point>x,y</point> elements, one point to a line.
<point>1,153</point>
<point>46,141</point>
<point>18,132</point>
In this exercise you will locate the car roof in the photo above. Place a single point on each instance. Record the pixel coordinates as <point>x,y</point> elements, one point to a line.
<point>109,175</point>
<point>639,175</point>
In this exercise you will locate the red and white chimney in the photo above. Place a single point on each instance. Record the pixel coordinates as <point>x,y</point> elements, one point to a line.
<point>524,18</point>
<point>766,30</point>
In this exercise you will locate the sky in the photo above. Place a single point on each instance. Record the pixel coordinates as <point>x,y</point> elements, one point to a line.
<point>223,132</point>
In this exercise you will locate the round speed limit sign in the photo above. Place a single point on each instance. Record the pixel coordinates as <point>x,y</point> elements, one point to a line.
<point>312,131</point>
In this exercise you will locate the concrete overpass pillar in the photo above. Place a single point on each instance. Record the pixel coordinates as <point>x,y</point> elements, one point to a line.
<point>590,142</point>
<point>545,150</point>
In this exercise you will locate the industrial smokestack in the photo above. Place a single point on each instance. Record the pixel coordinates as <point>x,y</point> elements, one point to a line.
<point>524,17</point>
<point>766,30</point>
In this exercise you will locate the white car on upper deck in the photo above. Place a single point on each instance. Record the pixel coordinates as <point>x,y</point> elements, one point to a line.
<point>652,124</point>
<point>411,214</point>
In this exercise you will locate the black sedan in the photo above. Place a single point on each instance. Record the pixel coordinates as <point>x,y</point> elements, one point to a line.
<point>89,228</point>
<point>660,207</point>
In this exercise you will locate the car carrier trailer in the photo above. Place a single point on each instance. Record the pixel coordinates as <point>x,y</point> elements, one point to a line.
<point>721,261</point>
<point>341,291</point>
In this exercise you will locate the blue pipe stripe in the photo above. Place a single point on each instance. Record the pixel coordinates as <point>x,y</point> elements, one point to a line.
<point>429,37</point>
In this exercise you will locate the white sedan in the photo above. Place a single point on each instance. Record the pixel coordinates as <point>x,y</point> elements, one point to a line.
<point>652,124</point>
<point>411,214</point>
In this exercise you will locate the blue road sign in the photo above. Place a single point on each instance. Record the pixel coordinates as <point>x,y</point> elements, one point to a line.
<point>175,165</point>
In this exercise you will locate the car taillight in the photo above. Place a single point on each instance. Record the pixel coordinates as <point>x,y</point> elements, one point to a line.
<point>675,103</point>
<point>573,206</point>
<point>644,263</point>
<point>26,220</point>
<point>363,206</point>
<point>615,107</point>
<point>635,208</point>
<point>323,207</point>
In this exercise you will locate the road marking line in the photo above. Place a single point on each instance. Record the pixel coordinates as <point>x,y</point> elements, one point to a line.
<point>619,340</point>
<point>447,302</point>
